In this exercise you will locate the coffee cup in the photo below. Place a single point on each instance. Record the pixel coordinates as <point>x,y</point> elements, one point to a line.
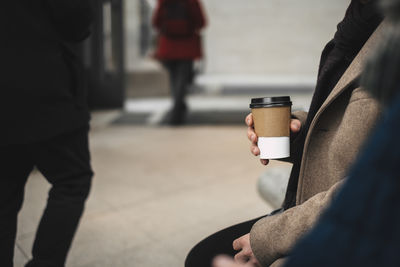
<point>271,117</point>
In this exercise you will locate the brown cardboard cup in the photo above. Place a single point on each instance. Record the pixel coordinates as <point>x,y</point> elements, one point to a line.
<point>272,125</point>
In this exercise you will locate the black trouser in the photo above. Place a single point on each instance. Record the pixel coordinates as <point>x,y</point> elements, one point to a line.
<point>219,243</point>
<point>180,76</point>
<point>65,162</point>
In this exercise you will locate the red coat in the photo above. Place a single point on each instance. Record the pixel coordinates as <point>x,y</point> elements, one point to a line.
<point>183,47</point>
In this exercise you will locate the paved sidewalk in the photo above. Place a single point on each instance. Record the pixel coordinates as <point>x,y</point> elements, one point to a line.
<point>204,109</point>
<point>157,191</point>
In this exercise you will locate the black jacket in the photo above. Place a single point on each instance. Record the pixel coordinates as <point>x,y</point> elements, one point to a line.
<point>41,80</point>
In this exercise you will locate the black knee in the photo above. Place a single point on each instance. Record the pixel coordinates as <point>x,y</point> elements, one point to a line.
<point>74,188</point>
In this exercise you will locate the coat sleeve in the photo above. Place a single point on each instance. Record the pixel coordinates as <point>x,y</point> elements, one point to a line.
<point>71,18</point>
<point>272,237</point>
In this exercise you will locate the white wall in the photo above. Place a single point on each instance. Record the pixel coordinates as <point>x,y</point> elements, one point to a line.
<point>269,37</point>
<point>132,33</point>
<point>257,37</point>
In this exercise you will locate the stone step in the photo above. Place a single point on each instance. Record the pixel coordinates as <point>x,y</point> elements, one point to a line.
<point>147,83</point>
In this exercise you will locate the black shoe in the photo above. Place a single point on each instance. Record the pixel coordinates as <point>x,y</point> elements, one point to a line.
<point>178,115</point>
<point>176,119</point>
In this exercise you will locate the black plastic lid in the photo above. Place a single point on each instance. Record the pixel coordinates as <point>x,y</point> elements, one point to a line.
<point>275,101</point>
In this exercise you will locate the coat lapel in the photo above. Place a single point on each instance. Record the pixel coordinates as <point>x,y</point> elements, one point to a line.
<point>352,73</point>
<point>354,70</point>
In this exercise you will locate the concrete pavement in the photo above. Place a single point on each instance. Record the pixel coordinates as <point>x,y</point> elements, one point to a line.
<point>157,191</point>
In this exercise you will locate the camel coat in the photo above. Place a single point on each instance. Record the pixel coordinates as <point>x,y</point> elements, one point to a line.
<point>336,133</point>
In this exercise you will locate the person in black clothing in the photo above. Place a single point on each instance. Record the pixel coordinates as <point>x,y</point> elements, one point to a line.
<point>44,121</point>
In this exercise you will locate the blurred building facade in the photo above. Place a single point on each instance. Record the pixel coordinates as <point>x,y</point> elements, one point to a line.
<point>264,44</point>
<point>258,42</point>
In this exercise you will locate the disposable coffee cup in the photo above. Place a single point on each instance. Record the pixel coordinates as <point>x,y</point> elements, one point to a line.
<point>271,117</point>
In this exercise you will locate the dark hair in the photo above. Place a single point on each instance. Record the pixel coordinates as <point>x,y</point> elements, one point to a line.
<point>382,73</point>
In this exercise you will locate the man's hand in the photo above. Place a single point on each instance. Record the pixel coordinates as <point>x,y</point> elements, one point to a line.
<point>245,254</point>
<point>224,261</point>
<point>295,126</point>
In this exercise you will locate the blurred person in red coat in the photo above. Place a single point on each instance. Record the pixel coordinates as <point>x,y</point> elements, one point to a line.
<point>179,23</point>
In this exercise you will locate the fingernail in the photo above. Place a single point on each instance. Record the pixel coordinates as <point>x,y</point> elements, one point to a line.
<point>221,260</point>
